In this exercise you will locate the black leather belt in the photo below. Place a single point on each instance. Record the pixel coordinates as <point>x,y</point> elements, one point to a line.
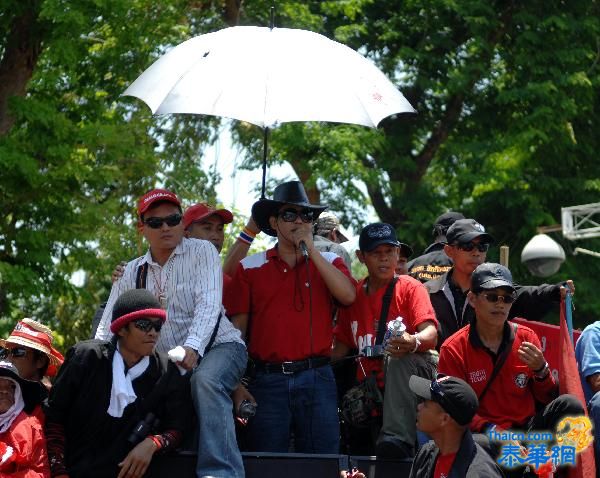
<point>289,368</point>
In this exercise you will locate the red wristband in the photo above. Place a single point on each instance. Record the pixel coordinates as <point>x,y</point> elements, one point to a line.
<point>156,441</point>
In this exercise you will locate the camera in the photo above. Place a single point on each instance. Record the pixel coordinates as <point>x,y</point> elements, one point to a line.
<point>246,409</point>
<point>143,429</point>
<point>373,351</point>
<point>542,255</point>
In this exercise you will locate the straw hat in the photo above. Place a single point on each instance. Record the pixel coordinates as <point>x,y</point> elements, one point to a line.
<point>34,335</point>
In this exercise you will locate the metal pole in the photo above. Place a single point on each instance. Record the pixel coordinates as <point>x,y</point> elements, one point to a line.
<point>581,250</point>
<point>569,313</point>
<point>264,166</point>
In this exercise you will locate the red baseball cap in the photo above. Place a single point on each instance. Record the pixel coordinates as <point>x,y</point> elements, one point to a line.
<point>199,211</point>
<point>154,196</point>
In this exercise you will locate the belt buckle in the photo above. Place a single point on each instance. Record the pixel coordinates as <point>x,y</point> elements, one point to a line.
<point>284,370</point>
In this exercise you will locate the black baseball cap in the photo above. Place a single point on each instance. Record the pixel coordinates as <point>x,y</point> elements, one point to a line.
<point>454,395</point>
<point>490,275</point>
<point>448,218</point>
<point>465,230</point>
<point>379,233</point>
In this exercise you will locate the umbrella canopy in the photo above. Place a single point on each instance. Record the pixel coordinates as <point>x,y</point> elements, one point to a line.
<point>267,76</point>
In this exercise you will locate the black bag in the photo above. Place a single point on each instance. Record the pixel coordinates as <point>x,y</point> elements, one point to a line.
<point>363,403</point>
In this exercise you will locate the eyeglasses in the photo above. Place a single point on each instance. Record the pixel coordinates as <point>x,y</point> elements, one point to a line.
<point>16,352</point>
<point>157,222</point>
<point>469,246</point>
<point>290,215</point>
<point>146,325</point>
<point>493,298</point>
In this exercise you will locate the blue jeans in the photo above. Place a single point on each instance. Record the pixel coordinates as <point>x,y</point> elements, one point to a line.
<point>305,402</point>
<point>217,375</point>
<point>594,411</point>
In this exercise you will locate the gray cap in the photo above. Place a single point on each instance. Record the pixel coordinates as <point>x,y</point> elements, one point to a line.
<point>328,222</point>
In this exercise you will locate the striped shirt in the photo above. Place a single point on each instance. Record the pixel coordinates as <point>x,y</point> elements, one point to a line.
<point>192,280</point>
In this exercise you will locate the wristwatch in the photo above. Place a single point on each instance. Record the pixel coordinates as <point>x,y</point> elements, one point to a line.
<point>542,373</point>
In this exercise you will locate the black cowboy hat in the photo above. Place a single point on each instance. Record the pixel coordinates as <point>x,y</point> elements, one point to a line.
<point>291,192</point>
<point>33,392</point>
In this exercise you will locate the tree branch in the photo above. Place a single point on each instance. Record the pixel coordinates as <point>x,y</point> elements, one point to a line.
<point>23,48</point>
<point>454,106</point>
<point>231,12</point>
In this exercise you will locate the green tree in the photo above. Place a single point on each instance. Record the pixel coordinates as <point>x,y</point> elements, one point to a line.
<point>506,130</point>
<point>75,156</point>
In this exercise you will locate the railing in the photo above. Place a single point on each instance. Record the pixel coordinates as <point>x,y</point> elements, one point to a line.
<point>284,465</point>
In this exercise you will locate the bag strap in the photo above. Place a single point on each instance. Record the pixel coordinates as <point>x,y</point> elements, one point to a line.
<point>500,361</point>
<point>140,278</point>
<point>385,308</point>
<point>214,334</point>
<point>140,283</point>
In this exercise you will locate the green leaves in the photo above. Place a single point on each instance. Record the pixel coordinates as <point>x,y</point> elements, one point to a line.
<point>506,132</point>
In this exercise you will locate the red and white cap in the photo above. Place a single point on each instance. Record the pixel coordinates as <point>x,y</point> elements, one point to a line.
<point>200,211</point>
<point>34,335</point>
<point>154,196</point>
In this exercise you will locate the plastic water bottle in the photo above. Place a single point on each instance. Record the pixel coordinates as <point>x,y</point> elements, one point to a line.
<point>395,328</point>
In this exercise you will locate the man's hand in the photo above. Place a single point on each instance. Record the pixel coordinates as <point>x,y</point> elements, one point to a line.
<point>354,473</point>
<point>190,360</point>
<point>304,234</point>
<point>240,394</point>
<point>118,272</point>
<point>531,356</point>
<point>570,287</point>
<point>252,226</point>
<point>400,346</point>
<point>137,460</point>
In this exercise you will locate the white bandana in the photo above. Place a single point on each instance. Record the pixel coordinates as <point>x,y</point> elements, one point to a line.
<point>121,392</point>
<point>9,415</point>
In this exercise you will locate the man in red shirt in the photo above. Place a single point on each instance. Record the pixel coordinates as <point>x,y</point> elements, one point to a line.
<point>449,406</point>
<point>507,399</point>
<point>283,305</point>
<point>410,354</point>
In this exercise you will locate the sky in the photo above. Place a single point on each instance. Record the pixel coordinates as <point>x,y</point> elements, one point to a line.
<point>237,188</point>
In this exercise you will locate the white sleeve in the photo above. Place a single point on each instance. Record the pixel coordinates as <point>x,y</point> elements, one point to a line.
<point>124,283</point>
<point>208,293</point>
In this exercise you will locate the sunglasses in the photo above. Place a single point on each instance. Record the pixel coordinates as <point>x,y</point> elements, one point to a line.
<point>493,298</point>
<point>290,215</point>
<point>16,352</point>
<point>157,222</point>
<point>146,325</point>
<point>469,246</point>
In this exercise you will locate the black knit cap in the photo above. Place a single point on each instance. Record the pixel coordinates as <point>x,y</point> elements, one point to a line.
<point>135,304</point>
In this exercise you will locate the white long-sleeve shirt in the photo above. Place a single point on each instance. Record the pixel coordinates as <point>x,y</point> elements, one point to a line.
<point>192,280</point>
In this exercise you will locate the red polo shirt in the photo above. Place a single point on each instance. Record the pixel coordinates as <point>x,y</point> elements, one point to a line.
<point>357,324</point>
<point>510,400</point>
<point>276,297</point>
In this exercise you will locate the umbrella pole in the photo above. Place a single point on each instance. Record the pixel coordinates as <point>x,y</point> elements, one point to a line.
<point>264,166</point>
<point>266,130</point>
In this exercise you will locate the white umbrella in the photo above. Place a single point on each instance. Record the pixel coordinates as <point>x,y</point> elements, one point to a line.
<point>268,76</point>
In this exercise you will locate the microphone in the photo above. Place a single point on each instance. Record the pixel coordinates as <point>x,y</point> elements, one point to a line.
<point>304,249</point>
